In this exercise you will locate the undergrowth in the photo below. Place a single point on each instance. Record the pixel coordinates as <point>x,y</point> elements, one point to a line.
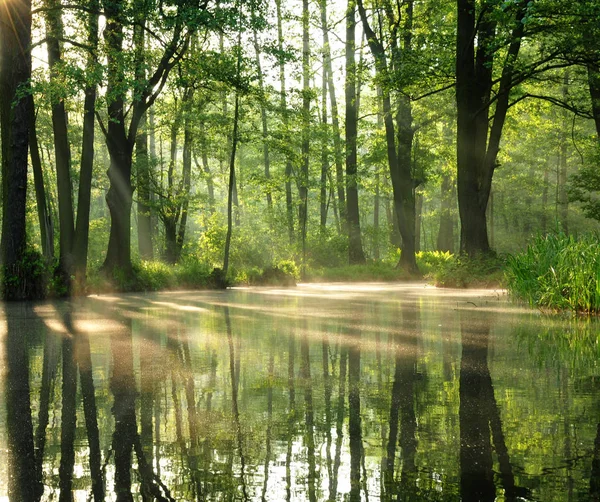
<point>558,272</point>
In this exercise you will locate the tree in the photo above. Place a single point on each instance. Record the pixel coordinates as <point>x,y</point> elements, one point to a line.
<point>356,255</point>
<point>120,137</point>
<point>477,151</point>
<point>15,122</point>
<point>398,123</point>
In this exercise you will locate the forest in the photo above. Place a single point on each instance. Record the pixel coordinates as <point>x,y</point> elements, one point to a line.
<point>153,144</point>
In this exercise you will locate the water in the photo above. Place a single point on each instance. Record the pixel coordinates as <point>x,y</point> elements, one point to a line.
<point>323,392</point>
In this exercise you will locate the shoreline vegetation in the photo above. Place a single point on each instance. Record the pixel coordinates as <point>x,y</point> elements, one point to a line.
<point>555,272</point>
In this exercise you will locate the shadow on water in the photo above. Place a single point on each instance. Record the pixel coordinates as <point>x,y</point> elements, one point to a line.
<point>134,398</point>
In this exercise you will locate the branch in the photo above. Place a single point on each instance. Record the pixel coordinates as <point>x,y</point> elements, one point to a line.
<point>435,91</point>
<point>101,124</point>
<point>559,102</point>
<point>74,43</point>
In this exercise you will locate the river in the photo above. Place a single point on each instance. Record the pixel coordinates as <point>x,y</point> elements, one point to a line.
<point>321,392</point>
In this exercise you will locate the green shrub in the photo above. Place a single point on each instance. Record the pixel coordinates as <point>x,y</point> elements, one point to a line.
<point>558,271</point>
<point>484,271</point>
<point>27,279</point>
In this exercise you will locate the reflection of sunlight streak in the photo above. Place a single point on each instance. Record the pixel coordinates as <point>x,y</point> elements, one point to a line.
<point>176,306</point>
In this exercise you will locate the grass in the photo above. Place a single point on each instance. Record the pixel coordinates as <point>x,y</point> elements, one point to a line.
<point>558,272</point>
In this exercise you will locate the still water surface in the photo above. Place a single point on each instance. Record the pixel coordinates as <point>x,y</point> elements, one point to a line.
<point>321,392</point>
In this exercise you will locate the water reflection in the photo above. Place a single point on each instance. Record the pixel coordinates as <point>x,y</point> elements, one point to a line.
<point>243,396</point>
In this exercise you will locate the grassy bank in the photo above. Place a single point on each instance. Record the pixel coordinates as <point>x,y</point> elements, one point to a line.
<point>558,272</point>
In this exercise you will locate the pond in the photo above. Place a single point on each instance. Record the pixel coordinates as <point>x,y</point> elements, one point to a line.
<point>320,392</point>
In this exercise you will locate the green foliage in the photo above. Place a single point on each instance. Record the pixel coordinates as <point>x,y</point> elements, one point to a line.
<point>559,272</point>
<point>432,261</point>
<point>585,188</point>
<point>463,272</point>
<point>28,279</point>
<point>373,271</point>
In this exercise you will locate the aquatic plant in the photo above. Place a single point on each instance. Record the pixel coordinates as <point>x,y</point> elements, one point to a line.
<point>558,271</point>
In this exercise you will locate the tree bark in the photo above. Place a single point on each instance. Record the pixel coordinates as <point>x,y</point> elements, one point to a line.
<point>44,217</point>
<point>62,150</point>
<point>303,178</point>
<point>289,202</point>
<point>82,224</point>
<point>15,72</point>
<point>445,238</point>
<point>263,118</point>
<point>335,121</point>
<point>355,250</point>
<point>188,140</point>
<point>399,160</point>
<point>476,152</point>
<point>324,154</point>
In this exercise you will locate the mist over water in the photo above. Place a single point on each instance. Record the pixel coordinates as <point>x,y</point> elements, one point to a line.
<point>321,392</point>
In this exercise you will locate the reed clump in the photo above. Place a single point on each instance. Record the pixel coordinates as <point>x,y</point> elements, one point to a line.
<point>558,271</point>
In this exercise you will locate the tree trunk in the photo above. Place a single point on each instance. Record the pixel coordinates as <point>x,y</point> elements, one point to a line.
<point>355,251</point>
<point>142,165</point>
<point>545,187</point>
<point>337,137</point>
<point>303,181</point>
<point>445,238</point>
<point>263,117</point>
<point>476,153</point>
<point>119,195</point>
<point>236,114</point>
<point>289,202</point>
<point>594,85</point>
<point>376,207</point>
<point>324,154</point>
<point>399,160</point>
<point>188,140</point>
<point>44,218</point>
<point>62,150</point>
<point>563,197</point>
<point>210,184</point>
<point>82,224</point>
<point>418,220</point>
<point>15,72</point>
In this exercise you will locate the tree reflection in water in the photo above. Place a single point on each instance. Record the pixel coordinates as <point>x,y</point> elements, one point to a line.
<point>376,401</point>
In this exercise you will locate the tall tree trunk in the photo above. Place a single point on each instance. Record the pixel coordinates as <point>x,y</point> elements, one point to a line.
<point>82,224</point>
<point>445,238</point>
<point>263,118</point>
<point>15,72</point>
<point>355,251</point>
<point>324,153</point>
<point>62,150</point>
<point>44,218</point>
<point>170,214</point>
<point>119,195</point>
<point>545,188</point>
<point>231,186</point>
<point>563,197</point>
<point>188,140</point>
<point>289,202</point>
<point>476,152</point>
<point>303,181</point>
<point>335,121</point>
<point>210,184</point>
<point>399,160</point>
<point>376,208</point>
<point>141,143</point>
<point>418,220</point>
